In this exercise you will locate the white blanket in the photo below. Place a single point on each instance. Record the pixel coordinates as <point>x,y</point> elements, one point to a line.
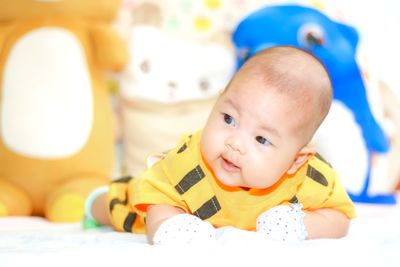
<point>373,240</point>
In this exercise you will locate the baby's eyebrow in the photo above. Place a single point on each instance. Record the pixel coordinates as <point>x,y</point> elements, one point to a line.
<point>270,130</point>
<point>263,127</point>
<point>231,103</point>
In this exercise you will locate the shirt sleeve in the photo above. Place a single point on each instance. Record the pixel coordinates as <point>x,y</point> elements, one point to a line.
<point>339,199</point>
<point>154,187</point>
<point>325,192</point>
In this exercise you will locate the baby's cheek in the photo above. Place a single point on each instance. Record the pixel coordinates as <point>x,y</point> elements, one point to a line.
<point>251,176</point>
<point>211,144</point>
<point>207,152</point>
<point>261,174</point>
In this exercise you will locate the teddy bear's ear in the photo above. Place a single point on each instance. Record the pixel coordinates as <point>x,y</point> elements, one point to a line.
<point>148,14</point>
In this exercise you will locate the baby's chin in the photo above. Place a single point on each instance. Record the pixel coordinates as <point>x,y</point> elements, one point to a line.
<point>229,182</point>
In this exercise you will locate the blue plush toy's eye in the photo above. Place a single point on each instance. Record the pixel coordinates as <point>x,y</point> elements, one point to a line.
<point>311,35</point>
<point>243,53</point>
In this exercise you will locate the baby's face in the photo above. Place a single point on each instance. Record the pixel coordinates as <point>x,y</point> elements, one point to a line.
<point>250,138</point>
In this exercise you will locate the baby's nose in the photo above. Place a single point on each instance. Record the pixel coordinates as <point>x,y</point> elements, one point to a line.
<point>236,144</point>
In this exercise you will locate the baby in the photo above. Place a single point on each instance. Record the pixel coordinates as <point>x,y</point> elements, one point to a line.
<point>250,167</point>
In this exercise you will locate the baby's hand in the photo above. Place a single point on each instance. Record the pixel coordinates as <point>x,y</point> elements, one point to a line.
<point>283,223</point>
<point>184,229</point>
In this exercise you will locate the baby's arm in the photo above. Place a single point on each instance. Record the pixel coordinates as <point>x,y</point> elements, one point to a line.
<point>156,215</point>
<point>326,223</point>
<point>291,223</point>
<point>167,224</point>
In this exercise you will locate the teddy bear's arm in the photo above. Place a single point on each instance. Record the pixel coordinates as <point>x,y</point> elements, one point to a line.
<point>1,41</point>
<point>110,50</point>
<point>4,31</point>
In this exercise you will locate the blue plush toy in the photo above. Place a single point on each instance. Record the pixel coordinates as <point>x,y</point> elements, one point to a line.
<point>335,45</point>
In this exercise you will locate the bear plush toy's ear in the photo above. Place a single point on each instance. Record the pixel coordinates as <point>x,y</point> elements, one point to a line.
<point>111,51</point>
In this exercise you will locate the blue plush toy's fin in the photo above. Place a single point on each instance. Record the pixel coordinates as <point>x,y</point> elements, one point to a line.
<point>365,197</point>
<point>350,33</point>
<point>389,199</point>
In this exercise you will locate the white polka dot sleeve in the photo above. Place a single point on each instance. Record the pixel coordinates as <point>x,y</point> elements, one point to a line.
<point>283,223</point>
<point>184,229</point>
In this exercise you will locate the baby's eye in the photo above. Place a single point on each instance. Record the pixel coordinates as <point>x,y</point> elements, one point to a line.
<point>262,140</point>
<point>229,119</point>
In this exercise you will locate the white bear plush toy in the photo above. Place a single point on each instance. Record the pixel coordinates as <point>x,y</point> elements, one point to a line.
<point>169,87</point>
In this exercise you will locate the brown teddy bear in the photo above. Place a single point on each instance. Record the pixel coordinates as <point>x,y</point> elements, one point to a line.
<point>56,136</point>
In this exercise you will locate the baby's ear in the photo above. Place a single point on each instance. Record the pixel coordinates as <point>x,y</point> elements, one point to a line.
<point>302,157</point>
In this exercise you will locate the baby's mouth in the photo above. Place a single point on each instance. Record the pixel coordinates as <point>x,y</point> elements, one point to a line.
<point>229,166</point>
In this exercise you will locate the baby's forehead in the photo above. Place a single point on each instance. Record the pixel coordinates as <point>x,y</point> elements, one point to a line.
<point>285,61</point>
<point>257,84</point>
<point>265,99</point>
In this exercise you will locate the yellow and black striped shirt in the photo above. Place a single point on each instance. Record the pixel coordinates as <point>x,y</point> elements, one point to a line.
<point>182,179</point>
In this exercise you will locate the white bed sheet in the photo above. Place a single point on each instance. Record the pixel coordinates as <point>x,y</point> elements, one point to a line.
<point>373,240</point>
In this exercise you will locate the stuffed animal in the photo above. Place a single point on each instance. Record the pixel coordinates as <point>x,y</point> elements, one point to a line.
<point>170,85</point>
<point>391,111</point>
<point>351,136</point>
<point>56,136</point>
